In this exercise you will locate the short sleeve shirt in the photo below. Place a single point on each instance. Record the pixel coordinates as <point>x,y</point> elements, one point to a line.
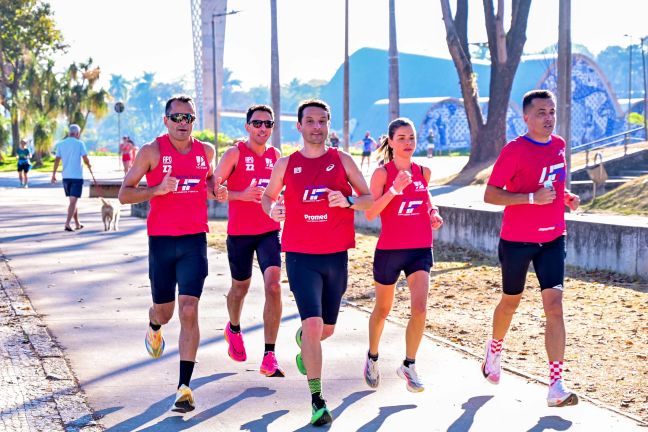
<point>524,166</point>
<point>71,150</point>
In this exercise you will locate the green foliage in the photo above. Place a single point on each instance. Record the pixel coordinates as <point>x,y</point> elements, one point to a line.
<point>44,134</point>
<point>80,98</point>
<point>615,61</point>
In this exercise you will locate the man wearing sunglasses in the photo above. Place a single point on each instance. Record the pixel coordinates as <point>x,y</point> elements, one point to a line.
<point>178,170</point>
<point>318,230</point>
<point>247,167</point>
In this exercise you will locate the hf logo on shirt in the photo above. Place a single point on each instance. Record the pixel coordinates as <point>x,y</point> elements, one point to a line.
<point>249,163</point>
<point>314,194</point>
<point>187,184</point>
<point>553,173</point>
<point>263,182</point>
<point>407,207</point>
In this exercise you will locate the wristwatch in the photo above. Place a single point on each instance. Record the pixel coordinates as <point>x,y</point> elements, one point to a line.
<point>351,200</point>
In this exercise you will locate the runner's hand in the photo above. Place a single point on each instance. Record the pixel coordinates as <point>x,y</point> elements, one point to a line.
<point>278,210</point>
<point>544,196</point>
<point>435,220</point>
<point>337,199</point>
<point>169,184</point>
<point>572,200</point>
<point>402,180</point>
<point>252,193</point>
<point>220,191</point>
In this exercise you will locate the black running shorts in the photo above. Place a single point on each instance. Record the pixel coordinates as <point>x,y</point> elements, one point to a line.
<point>73,187</point>
<point>318,282</point>
<point>240,253</point>
<point>548,261</point>
<point>180,260</point>
<point>388,263</point>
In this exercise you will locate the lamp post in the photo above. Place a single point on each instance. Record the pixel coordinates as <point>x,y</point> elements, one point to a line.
<point>215,75</point>
<point>645,85</point>
<point>629,36</point>
<point>119,108</point>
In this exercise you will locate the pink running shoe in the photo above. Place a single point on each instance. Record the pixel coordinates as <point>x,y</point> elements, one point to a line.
<point>270,367</point>
<point>236,348</point>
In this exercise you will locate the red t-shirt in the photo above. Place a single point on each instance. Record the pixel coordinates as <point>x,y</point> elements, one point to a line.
<point>247,217</point>
<point>311,226</point>
<point>524,166</point>
<point>183,211</point>
<point>405,222</point>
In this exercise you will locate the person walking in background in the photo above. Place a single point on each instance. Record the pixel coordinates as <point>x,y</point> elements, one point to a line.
<point>407,217</point>
<point>247,167</point>
<point>368,145</point>
<point>334,140</point>
<point>528,178</point>
<point>71,151</point>
<point>24,164</point>
<point>126,149</point>
<point>430,143</point>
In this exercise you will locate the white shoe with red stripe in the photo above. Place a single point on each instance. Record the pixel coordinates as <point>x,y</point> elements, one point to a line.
<point>491,367</point>
<point>560,396</point>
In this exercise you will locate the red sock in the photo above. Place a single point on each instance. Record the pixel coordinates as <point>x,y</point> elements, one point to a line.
<point>555,371</point>
<point>496,345</point>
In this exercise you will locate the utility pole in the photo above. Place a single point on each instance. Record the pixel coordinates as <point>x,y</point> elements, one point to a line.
<point>645,85</point>
<point>564,81</point>
<point>275,84</point>
<point>346,136</point>
<point>629,36</point>
<point>394,94</point>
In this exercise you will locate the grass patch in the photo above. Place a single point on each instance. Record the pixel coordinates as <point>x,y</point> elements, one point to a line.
<point>10,164</point>
<point>629,199</point>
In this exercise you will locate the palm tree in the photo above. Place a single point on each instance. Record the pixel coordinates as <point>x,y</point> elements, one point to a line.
<point>275,85</point>
<point>394,109</point>
<point>119,87</point>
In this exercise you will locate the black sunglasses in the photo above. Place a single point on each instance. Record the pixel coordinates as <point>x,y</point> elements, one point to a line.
<point>257,123</point>
<point>178,117</point>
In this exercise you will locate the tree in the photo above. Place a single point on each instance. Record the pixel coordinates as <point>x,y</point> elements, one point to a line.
<point>394,109</point>
<point>275,86</point>
<point>487,138</point>
<point>80,98</point>
<point>118,88</point>
<point>28,34</point>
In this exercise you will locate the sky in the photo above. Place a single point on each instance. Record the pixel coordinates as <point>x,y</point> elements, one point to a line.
<point>136,36</point>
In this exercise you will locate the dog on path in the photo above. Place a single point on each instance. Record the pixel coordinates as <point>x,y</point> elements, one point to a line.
<point>110,214</point>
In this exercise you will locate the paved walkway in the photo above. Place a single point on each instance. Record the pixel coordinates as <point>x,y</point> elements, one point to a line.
<point>90,289</point>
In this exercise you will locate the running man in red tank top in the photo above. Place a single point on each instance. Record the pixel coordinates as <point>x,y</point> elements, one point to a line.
<point>529,180</point>
<point>407,219</point>
<point>178,170</point>
<point>317,207</point>
<point>247,167</point>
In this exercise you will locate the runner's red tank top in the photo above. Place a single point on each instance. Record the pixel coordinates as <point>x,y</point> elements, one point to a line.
<point>406,219</point>
<point>183,211</point>
<point>311,226</point>
<point>247,217</point>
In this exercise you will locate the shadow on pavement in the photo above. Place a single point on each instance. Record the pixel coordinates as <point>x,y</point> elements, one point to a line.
<point>178,423</point>
<point>470,407</point>
<point>261,425</point>
<point>162,406</point>
<point>383,413</point>
<point>556,423</point>
<point>337,412</point>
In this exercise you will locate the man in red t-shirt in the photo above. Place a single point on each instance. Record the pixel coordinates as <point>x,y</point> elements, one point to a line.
<point>529,180</point>
<point>318,209</point>
<point>247,167</point>
<point>179,176</point>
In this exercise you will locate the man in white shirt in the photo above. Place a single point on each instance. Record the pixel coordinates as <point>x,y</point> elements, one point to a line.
<point>71,150</point>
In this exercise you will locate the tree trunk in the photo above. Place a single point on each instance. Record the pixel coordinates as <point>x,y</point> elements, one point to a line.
<point>394,94</point>
<point>274,76</point>
<point>15,130</point>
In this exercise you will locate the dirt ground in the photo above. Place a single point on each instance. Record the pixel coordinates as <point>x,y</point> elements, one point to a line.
<point>606,316</point>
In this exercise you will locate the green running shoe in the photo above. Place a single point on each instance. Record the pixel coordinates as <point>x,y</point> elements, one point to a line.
<point>300,364</point>
<point>321,416</point>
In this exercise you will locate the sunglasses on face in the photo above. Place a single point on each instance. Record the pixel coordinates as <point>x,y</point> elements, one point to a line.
<point>257,123</point>
<point>178,117</point>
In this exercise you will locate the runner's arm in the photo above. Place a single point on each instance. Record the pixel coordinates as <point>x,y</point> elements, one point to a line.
<point>146,160</point>
<point>364,200</point>
<point>275,185</point>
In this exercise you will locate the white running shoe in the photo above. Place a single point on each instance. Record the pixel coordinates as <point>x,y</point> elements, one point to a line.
<point>491,367</point>
<point>184,401</point>
<point>409,374</point>
<point>559,396</point>
<point>372,373</point>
